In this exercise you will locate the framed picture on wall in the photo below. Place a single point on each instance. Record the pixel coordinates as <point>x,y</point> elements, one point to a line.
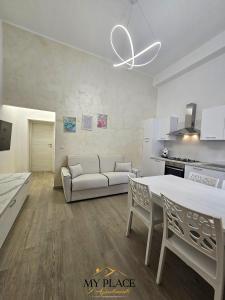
<point>69,124</point>
<point>87,122</point>
<point>102,121</point>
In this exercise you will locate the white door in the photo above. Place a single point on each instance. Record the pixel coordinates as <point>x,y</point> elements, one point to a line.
<point>150,148</point>
<point>146,152</point>
<point>41,146</point>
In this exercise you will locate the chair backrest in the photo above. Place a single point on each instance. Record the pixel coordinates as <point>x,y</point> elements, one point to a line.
<point>203,232</point>
<point>223,185</point>
<point>208,180</point>
<point>140,194</point>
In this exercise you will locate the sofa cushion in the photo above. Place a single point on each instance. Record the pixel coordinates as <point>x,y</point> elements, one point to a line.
<point>118,177</point>
<point>76,170</point>
<point>123,167</point>
<point>89,163</point>
<point>89,181</point>
<point>107,162</point>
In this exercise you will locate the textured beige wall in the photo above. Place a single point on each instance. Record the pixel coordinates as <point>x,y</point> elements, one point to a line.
<point>1,55</point>
<point>42,74</point>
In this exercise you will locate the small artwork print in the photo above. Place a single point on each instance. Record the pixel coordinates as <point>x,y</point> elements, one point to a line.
<point>102,121</point>
<point>87,122</point>
<point>69,124</point>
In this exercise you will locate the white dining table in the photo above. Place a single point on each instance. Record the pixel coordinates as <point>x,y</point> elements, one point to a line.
<point>193,195</point>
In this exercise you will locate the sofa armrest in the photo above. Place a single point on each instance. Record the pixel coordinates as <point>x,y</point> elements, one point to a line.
<point>67,183</point>
<point>135,171</point>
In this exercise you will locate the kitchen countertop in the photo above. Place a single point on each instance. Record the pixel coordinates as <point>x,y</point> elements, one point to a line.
<point>178,161</point>
<point>216,168</point>
<point>10,184</point>
<point>203,165</point>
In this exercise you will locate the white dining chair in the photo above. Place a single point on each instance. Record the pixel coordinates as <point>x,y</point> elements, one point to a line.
<point>140,204</point>
<point>197,239</point>
<point>223,185</point>
<point>208,180</point>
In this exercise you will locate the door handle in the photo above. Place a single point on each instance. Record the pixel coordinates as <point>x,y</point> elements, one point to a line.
<point>50,145</point>
<point>173,168</point>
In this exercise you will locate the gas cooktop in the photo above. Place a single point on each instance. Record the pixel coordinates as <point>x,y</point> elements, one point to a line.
<point>183,159</point>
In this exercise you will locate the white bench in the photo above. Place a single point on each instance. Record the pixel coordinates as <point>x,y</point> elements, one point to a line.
<point>14,189</point>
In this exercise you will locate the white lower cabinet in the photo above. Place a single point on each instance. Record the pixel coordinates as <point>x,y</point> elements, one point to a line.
<point>156,166</point>
<point>204,171</point>
<point>9,215</point>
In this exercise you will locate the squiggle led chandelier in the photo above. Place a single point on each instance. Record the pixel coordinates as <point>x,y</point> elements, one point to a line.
<point>130,62</point>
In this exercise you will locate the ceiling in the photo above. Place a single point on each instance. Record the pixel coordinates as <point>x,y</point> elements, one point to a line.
<point>181,25</point>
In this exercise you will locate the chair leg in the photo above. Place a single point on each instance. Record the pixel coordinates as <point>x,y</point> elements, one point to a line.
<point>148,246</point>
<point>129,223</point>
<point>218,295</point>
<point>161,264</point>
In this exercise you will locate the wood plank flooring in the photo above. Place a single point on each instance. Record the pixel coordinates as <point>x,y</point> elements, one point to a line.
<point>54,246</point>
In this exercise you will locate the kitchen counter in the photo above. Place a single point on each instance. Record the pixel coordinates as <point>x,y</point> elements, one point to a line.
<point>10,184</point>
<point>177,161</point>
<point>204,165</point>
<point>216,168</point>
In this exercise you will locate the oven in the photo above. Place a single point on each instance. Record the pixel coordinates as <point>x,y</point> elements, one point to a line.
<point>174,168</point>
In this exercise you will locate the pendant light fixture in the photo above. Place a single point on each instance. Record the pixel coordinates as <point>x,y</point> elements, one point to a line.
<point>153,48</point>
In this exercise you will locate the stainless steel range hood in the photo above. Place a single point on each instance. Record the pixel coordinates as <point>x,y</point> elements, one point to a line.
<point>189,126</point>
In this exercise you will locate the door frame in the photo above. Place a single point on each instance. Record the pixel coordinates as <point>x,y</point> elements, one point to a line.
<point>30,124</point>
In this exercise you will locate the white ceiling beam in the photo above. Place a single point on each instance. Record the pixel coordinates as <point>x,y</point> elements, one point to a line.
<point>208,51</point>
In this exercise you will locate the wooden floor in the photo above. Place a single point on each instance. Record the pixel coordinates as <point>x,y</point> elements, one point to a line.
<point>54,246</point>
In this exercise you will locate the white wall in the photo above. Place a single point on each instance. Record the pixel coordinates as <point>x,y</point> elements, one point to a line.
<point>1,59</point>
<point>204,85</point>
<point>17,159</point>
<point>42,74</point>
<point>6,157</point>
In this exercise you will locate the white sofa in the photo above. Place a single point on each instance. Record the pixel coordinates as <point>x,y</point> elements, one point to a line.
<point>98,178</point>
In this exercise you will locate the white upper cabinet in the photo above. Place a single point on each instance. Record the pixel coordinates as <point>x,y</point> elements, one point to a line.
<point>167,125</point>
<point>213,123</point>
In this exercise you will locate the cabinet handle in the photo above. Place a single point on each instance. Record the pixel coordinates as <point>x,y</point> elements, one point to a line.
<point>210,137</point>
<point>195,168</point>
<point>13,202</point>
<point>173,168</point>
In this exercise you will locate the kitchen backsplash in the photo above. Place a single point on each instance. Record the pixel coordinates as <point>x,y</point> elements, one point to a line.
<point>208,151</point>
